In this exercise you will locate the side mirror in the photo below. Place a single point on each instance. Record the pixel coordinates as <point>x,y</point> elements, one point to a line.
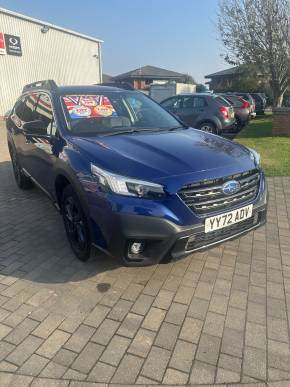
<point>35,128</point>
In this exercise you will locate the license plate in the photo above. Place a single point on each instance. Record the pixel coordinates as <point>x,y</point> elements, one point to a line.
<point>227,219</point>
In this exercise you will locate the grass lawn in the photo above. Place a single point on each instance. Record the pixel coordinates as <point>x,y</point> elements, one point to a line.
<point>274,151</point>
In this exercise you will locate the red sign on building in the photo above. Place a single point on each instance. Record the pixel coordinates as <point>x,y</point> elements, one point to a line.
<point>2,44</point>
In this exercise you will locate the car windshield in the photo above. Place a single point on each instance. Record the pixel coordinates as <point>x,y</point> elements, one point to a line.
<point>114,113</point>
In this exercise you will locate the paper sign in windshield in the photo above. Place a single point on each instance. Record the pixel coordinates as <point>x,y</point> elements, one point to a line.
<point>89,106</point>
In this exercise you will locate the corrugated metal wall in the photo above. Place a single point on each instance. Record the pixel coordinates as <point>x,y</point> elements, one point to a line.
<point>66,58</point>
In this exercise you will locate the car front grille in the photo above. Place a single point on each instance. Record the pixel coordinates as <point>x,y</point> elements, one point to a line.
<point>206,197</point>
<point>204,239</point>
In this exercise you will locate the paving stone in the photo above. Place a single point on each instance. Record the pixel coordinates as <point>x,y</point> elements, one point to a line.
<point>130,325</point>
<point>97,316</point>
<point>202,373</point>
<point>235,319</point>
<point>87,358</point>
<point>101,373</point>
<point>232,342</point>
<point>53,370</point>
<point>74,375</point>
<point>164,299</point>
<point>5,366</point>
<point>115,350</point>
<point>65,357</point>
<point>184,295</point>
<point>45,382</point>
<point>54,342</point>
<point>277,329</point>
<point>129,362</point>
<point>142,343</point>
<point>19,333</point>
<point>256,335</point>
<point>172,377</point>
<point>105,331</point>
<point>154,319</point>
<point>5,349</point>
<point>48,325</point>
<point>278,355</point>
<point>176,313</point>
<point>198,308</point>
<point>191,330</point>
<point>214,324</point>
<point>142,304</point>
<point>132,292</point>
<point>16,380</point>
<point>183,356</point>
<point>33,366</point>
<point>208,349</point>
<point>156,363</point>
<point>80,338</point>
<point>255,363</point>
<point>227,376</point>
<point>19,315</point>
<point>167,336</point>
<point>218,304</point>
<point>120,310</point>
<point>4,330</point>
<point>24,350</point>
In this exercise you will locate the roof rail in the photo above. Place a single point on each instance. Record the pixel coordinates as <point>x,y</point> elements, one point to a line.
<point>47,84</point>
<point>119,85</point>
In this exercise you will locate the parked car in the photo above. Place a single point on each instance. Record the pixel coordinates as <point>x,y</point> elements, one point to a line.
<point>128,177</point>
<point>247,97</point>
<point>241,109</point>
<point>260,102</point>
<point>205,111</point>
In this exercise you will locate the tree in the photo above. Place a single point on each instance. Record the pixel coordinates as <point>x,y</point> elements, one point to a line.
<point>189,79</point>
<point>200,88</point>
<point>258,32</point>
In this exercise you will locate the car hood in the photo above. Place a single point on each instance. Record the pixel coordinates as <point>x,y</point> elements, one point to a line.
<point>157,156</point>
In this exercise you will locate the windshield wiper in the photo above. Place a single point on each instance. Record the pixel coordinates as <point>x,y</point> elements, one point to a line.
<point>178,127</point>
<point>132,130</point>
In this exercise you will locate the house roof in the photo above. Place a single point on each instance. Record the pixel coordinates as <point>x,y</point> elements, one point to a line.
<point>150,72</point>
<point>231,71</point>
<point>107,78</point>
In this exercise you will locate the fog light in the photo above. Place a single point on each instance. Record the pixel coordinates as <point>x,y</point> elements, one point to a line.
<point>136,248</point>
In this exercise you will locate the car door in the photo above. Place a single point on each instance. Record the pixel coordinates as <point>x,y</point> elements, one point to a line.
<point>22,113</point>
<point>173,105</point>
<point>193,107</point>
<point>42,151</point>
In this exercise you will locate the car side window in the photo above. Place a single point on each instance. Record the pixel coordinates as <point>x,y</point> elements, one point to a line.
<point>44,113</point>
<point>199,102</point>
<point>188,102</point>
<point>24,108</point>
<point>172,103</point>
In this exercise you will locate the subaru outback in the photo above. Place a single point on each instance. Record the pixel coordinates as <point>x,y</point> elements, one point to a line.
<point>128,177</point>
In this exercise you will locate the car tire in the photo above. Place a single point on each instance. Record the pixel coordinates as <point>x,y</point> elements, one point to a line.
<point>22,181</point>
<point>76,224</point>
<point>208,127</point>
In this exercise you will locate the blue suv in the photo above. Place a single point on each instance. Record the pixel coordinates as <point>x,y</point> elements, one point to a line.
<point>128,177</point>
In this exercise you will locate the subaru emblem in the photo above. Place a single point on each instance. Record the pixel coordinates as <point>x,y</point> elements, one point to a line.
<point>231,187</point>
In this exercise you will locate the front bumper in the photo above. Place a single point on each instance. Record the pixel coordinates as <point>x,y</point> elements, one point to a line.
<point>164,239</point>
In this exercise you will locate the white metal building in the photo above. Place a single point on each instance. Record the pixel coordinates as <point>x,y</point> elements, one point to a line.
<point>32,50</point>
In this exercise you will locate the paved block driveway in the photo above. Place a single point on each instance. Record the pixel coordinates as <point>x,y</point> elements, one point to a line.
<point>216,317</point>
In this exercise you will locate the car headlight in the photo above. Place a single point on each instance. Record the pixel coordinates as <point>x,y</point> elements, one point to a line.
<point>255,156</point>
<point>127,186</point>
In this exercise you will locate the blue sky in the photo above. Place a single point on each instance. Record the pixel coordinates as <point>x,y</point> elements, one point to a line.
<point>175,34</point>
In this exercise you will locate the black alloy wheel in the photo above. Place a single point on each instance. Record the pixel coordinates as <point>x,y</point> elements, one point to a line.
<point>76,224</point>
